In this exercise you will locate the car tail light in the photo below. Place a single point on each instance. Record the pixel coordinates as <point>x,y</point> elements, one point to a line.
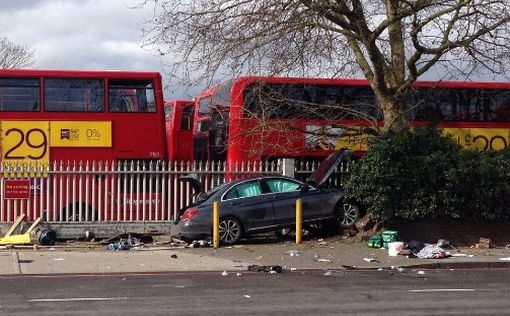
<point>188,214</point>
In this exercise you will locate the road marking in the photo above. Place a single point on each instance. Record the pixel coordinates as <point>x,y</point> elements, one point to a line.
<point>442,290</point>
<point>78,299</point>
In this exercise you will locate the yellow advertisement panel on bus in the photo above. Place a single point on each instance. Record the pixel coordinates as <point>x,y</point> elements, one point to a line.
<point>81,134</point>
<point>472,138</point>
<point>25,143</point>
<point>480,138</point>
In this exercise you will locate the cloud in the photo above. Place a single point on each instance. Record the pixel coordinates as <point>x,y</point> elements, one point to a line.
<point>83,34</point>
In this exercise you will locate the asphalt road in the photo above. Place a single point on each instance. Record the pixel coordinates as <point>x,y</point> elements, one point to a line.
<point>466,292</point>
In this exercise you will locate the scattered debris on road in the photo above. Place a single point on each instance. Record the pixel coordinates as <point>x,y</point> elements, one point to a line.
<point>32,236</point>
<point>317,258</point>
<point>484,243</point>
<point>126,244</point>
<point>293,253</point>
<point>370,260</point>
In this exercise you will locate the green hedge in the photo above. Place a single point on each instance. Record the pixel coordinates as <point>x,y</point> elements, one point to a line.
<point>424,174</point>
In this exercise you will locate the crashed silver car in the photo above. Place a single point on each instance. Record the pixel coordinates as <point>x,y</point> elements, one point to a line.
<point>266,203</point>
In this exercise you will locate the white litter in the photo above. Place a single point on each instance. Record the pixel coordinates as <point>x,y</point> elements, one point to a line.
<point>293,253</point>
<point>224,273</point>
<point>370,259</point>
<point>247,296</point>
<point>505,259</point>
<point>59,259</point>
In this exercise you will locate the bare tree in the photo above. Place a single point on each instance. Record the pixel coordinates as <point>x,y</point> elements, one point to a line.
<point>14,56</point>
<point>390,42</point>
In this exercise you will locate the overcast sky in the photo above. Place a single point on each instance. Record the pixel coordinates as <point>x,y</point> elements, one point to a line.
<point>84,34</point>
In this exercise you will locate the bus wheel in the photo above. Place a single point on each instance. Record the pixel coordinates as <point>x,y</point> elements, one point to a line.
<point>66,214</point>
<point>230,230</point>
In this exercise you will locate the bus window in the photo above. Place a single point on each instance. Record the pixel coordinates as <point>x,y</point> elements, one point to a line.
<point>297,101</point>
<point>501,105</point>
<point>203,126</point>
<point>187,117</point>
<point>131,96</point>
<point>73,95</point>
<point>19,95</point>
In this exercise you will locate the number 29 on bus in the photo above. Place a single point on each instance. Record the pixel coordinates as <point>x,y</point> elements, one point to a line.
<point>24,141</point>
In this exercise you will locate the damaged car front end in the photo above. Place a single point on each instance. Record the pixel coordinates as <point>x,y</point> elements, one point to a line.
<point>265,203</point>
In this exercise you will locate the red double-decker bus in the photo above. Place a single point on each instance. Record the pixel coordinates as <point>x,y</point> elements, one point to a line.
<point>52,117</point>
<point>253,118</point>
<point>56,115</point>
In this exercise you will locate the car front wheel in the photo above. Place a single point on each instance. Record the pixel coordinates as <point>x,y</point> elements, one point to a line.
<point>347,214</point>
<point>230,230</point>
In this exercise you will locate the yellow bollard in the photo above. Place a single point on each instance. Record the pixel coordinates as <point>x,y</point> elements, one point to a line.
<point>299,221</point>
<point>216,224</point>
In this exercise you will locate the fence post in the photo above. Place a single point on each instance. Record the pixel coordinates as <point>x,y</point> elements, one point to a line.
<point>288,167</point>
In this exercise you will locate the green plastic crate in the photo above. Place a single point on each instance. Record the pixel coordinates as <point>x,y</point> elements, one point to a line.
<point>389,236</point>
<point>375,241</point>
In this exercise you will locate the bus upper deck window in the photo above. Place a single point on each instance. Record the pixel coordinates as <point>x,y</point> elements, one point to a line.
<point>131,96</point>
<point>73,95</point>
<point>19,95</point>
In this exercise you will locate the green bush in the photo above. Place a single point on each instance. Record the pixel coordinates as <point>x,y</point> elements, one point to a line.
<point>424,174</point>
<point>478,185</point>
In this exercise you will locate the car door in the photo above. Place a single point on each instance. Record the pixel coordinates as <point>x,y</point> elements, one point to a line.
<point>285,192</point>
<point>247,201</point>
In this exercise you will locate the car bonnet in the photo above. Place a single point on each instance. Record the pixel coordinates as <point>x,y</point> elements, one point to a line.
<point>327,166</point>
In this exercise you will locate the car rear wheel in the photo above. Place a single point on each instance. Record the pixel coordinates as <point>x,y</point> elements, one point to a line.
<point>230,230</point>
<point>347,214</point>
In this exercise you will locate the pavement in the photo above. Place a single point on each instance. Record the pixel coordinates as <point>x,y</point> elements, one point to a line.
<point>333,253</point>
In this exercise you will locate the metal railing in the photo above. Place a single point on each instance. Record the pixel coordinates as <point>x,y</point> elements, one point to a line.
<point>103,191</point>
<point>125,191</point>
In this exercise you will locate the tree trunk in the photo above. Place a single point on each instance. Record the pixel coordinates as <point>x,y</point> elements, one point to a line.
<point>394,114</point>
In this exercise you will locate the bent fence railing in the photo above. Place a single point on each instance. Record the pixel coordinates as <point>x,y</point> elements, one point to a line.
<point>126,191</point>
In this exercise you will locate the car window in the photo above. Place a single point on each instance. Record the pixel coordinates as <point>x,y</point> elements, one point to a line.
<point>245,189</point>
<point>282,185</point>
